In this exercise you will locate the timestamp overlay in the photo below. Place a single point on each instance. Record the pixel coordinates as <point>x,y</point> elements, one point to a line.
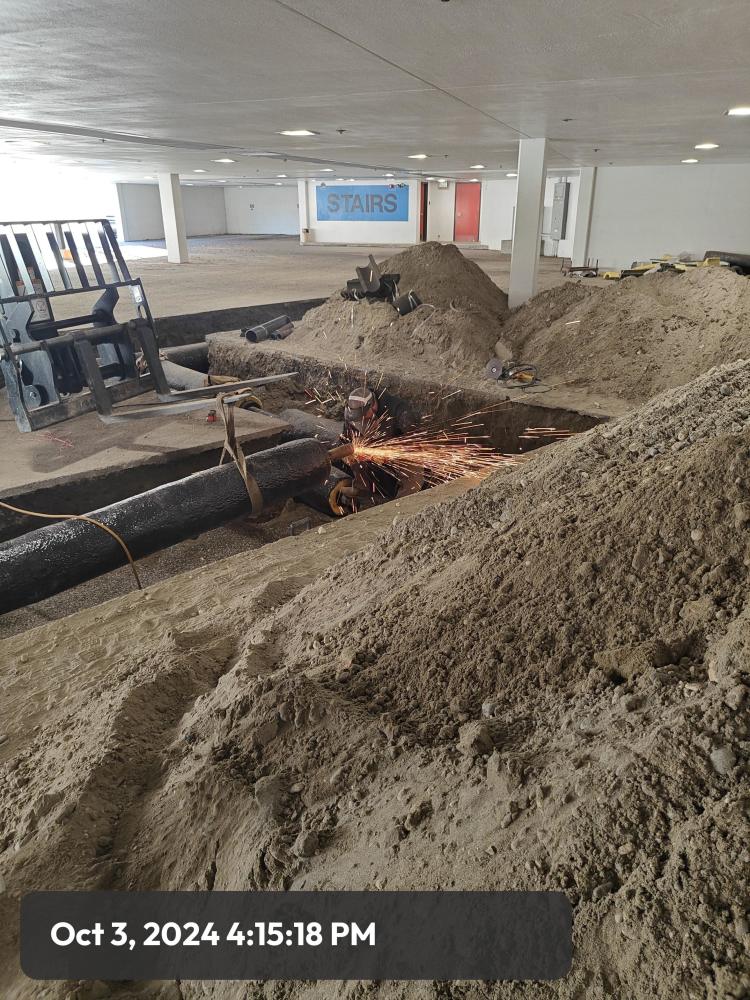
<point>296,935</point>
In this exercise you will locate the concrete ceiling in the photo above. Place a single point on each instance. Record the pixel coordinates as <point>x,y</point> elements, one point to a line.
<point>139,86</point>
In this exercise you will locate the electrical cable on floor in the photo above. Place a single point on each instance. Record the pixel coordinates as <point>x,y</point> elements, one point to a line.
<point>81,517</point>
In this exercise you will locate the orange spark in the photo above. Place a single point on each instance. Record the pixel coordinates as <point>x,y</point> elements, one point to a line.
<point>539,433</point>
<point>438,455</point>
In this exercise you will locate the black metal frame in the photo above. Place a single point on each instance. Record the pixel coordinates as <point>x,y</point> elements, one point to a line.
<point>55,369</point>
<point>53,375</point>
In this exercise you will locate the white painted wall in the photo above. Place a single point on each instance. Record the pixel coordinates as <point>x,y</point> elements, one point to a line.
<point>205,213</point>
<point>497,213</point>
<point>361,233</point>
<point>263,210</point>
<point>140,211</point>
<point>441,211</point>
<point>642,212</point>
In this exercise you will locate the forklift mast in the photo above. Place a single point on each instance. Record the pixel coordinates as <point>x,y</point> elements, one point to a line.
<point>54,368</point>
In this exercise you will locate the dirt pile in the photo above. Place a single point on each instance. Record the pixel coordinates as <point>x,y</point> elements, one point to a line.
<point>541,685</point>
<point>455,328</point>
<point>636,337</point>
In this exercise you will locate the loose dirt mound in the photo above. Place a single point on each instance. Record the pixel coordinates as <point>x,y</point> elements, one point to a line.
<point>542,685</point>
<point>455,328</point>
<point>636,337</point>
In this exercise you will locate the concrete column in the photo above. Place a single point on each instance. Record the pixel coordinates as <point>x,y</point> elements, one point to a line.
<point>527,233</point>
<point>173,218</point>
<point>586,186</point>
<point>303,190</point>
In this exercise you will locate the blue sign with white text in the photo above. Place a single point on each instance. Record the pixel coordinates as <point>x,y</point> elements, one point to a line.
<point>363,203</point>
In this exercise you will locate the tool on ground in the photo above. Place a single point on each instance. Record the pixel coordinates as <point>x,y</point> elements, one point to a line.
<point>587,270</point>
<point>637,270</point>
<point>273,329</point>
<point>512,374</point>
<point>54,368</point>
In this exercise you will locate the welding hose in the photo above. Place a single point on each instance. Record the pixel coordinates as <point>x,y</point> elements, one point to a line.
<point>62,555</point>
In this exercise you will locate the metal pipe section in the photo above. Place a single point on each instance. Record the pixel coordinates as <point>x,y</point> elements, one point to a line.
<point>181,378</point>
<point>193,356</point>
<point>62,555</point>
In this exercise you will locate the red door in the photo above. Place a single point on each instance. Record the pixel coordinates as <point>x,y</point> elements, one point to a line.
<point>423,194</point>
<point>466,224</point>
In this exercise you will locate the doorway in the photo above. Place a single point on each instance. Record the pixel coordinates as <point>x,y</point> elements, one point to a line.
<point>466,221</point>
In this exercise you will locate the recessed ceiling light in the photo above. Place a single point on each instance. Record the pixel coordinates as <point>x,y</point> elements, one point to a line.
<point>326,170</point>
<point>511,175</point>
<point>339,180</point>
<point>389,175</point>
<point>148,177</point>
<point>473,180</point>
<point>477,166</point>
<point>429,178</point>
<point>442,180</point>
<point>222,182</point>
<point>297,131</point>
<point>279,184</point>
<point>351,180</point>
<point>199,170</point>
<point>690,159</point>
<point>224,159</point>
<point>707,145</point>
<point>417,156</point>
<point>281,175</point>
<point>740,112</point>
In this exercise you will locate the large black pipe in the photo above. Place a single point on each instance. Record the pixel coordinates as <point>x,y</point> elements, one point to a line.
<point>61,555</point>
<point>193,356</point>
<point>308,425</point>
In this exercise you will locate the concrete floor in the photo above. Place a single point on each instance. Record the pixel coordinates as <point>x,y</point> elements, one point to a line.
<point>78,449</point>
<point>228,271</point>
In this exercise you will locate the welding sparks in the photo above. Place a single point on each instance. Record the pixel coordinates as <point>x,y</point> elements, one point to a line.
<point>438,456</point>
<point>545,433</point>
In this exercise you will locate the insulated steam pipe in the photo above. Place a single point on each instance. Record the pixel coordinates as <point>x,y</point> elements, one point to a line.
<point>307,425</point>
<point>61,555</point>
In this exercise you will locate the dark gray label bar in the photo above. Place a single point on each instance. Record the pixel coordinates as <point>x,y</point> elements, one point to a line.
<point>296,935</point>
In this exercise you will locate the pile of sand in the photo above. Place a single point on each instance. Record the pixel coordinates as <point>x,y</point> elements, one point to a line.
<point>542,685</point>
<point>455,328</point>
<point>633,338</point>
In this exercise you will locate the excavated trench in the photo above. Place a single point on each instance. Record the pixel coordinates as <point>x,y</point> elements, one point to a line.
<point>317,394</point>
<point>434,404</point>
